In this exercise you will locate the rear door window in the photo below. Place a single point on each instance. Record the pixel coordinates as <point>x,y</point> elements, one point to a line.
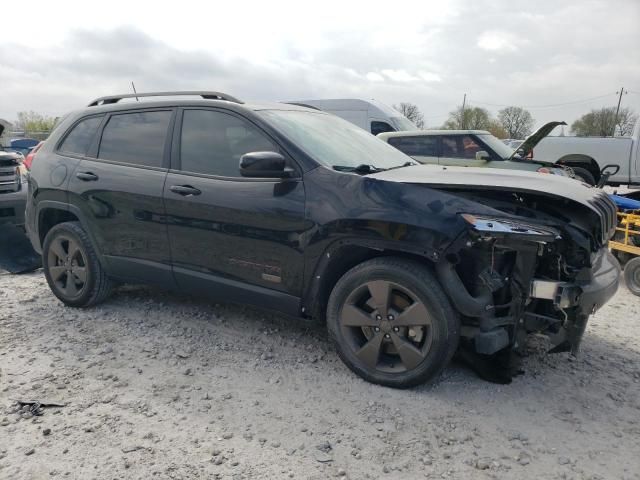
<point>422,146</point>
<point>79,139</point>
<point>138,138</point>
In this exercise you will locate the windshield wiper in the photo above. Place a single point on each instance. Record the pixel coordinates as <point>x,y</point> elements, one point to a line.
<point>405,164</point>
<point>363,169</point>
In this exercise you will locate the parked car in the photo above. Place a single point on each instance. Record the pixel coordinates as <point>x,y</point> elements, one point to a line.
<point>22,145</point>
<point>16,253</point>
<point>370,115</point>
<point>589,155</point>
<point>32,153</point>
<point>471,148</point>
<point>296,210</point>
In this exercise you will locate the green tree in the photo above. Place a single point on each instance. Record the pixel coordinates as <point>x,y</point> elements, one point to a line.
<point>412,112</point>
<point>604,122</point>
<point>32,122</point>
<point>517,122</point>
<point>473,118</point>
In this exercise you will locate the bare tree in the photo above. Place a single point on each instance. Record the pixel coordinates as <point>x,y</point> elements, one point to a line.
<point>604,122</point>
<point>473,118</point>
<point>517,121</point>
<point>412,112</point>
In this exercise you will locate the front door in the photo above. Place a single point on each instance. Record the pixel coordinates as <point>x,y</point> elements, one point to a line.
<point>232,237</point>
<point>460,151</point>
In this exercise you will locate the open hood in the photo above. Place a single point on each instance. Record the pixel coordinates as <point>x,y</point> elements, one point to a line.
<point>474,178</point>
<point>533,139</point>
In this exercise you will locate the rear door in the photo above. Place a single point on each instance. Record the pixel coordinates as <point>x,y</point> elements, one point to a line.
<point>233,237</point>
<point>422,148</point>
<point>460,150</point>
<point>118,187</point>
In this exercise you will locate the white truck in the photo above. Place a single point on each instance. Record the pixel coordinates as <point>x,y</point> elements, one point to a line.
<point>588,155</point>
<point>370,115</point>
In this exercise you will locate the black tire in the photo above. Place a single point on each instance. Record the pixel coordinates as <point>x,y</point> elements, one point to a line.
<point>584,175</point>
<point>412,289</point>
<point>632,275</point>
<point>71,267</point>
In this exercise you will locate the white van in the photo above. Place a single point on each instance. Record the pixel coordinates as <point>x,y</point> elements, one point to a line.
<point>371,115</point>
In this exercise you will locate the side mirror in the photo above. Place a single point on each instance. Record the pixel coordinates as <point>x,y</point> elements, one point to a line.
<point>264,165</point>
<point>483,155</point>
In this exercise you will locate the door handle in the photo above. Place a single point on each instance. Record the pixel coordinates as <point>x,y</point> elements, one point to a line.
<point>87,176</point>
<point>185,190</point>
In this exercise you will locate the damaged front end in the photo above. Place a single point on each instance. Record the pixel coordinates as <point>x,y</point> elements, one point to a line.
<point>544,267</point>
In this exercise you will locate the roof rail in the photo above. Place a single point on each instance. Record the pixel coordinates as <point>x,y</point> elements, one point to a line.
<point>300,104</point>
<point>206,95</point>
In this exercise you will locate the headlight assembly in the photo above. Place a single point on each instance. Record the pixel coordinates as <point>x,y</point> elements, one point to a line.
<point>506,226</point>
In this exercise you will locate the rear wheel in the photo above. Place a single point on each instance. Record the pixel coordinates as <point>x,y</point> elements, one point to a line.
<point>584,175</point>
<point>391,322</point>
<point>632,275</point>
<point>71,266</point>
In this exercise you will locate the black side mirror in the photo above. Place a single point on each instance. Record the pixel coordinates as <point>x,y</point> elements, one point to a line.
<point>264,165</point>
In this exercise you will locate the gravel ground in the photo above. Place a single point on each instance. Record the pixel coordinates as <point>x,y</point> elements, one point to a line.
<point>157,385</point>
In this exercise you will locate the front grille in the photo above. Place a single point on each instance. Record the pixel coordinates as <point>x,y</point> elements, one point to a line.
<point>607,212</point>
<point>8,179</point>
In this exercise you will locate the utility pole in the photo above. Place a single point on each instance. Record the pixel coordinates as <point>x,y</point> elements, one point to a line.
<point>464,101</point>
<point>615,120</point>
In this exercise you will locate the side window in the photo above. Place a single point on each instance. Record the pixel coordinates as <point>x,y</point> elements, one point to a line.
<point>80,138</point>
<point>423,146</point>
<point>381,127</point>
<point>212,142</point>
<point>459,146</point>
<point>137,138</point>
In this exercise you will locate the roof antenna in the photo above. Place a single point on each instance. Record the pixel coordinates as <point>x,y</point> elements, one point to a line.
<point>134,91</point>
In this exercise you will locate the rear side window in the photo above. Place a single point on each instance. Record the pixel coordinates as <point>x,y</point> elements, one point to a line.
<point>212,142</point>
<point>423,146</point>
<point>381,127</point>
<point>137,138</point>
<point>81,136</point>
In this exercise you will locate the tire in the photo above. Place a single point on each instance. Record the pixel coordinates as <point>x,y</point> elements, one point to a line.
<point>71,267</point>
<point>584,175</point>
<point>370,345</point>
<point>632,275</point>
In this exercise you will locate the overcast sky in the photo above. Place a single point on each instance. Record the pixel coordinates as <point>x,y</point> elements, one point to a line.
<point>429,53</point>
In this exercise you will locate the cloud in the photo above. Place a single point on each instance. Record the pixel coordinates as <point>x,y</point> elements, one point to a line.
<point>496,41</point>
<point>502,52</point>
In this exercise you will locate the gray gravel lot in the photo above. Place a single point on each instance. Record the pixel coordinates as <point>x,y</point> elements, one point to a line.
<point>158,385</point>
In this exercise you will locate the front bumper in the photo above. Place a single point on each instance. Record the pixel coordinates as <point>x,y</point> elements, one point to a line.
<point>584,298</point>
<point>12,206</point>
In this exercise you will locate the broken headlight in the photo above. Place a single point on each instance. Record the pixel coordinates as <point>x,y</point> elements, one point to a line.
<point>506,226</point>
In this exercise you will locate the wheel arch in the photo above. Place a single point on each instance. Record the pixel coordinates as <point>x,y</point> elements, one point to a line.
<point>582,161</point>
<point>342,256</point>
<point>51,213</point>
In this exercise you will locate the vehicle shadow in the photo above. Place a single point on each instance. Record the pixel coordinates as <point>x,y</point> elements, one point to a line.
<point>599,353</point>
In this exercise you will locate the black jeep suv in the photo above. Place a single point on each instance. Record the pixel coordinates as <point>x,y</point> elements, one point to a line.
<point>296,210</point>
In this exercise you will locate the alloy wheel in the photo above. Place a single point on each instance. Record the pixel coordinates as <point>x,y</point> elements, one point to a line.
<point>67,266</point>
<point>386,326</point>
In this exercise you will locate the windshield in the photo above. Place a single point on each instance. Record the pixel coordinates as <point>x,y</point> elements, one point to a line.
<point>503,151</point>
<point>331,141</point>
<point>402,124</point>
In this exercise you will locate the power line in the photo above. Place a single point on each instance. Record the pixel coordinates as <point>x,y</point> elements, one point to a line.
<point>584,100</point>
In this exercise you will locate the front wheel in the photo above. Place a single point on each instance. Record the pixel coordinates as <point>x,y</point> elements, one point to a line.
<point>71,266</point>
<point>584,175</point>
<point>392,323</point>
<point>632,275</point>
